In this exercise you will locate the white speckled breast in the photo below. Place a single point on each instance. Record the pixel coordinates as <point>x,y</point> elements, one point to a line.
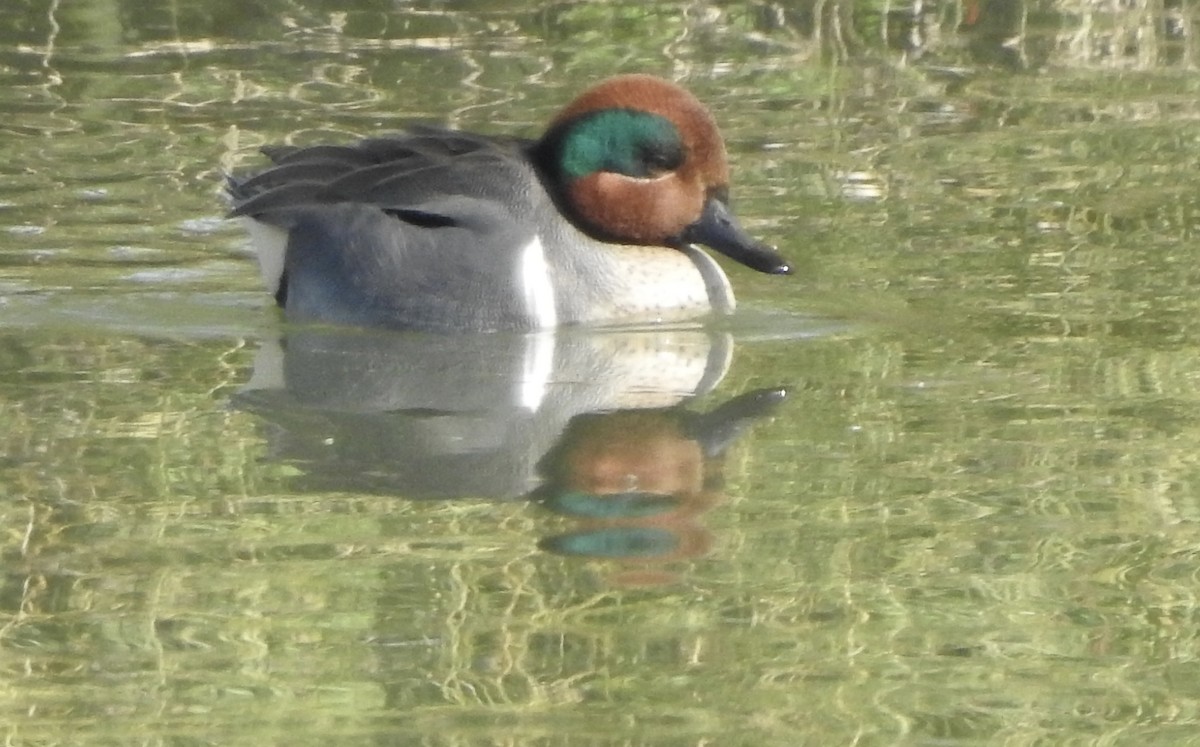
<point>657,284</point>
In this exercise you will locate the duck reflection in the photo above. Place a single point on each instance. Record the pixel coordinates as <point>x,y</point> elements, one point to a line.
<point>637,481</point>
<point>591,424</point>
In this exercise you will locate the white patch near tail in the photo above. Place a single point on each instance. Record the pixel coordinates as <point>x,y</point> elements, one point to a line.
<point>270,246</point>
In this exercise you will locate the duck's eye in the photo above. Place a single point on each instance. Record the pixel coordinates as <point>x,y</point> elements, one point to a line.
<point>660,157</point>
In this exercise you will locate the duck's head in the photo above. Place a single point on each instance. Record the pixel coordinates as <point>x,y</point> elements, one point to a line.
<point>637,159</point>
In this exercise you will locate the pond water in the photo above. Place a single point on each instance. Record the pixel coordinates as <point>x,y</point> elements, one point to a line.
<point>938,487</point>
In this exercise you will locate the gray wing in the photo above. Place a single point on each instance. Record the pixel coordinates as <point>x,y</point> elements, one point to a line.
<point>420,231</point>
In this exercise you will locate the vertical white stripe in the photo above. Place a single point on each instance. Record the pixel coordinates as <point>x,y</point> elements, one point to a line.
<point>538,368</point>
<point>537,287</point>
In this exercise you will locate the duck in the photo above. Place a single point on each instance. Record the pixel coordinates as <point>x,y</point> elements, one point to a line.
<point>600,221</point>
